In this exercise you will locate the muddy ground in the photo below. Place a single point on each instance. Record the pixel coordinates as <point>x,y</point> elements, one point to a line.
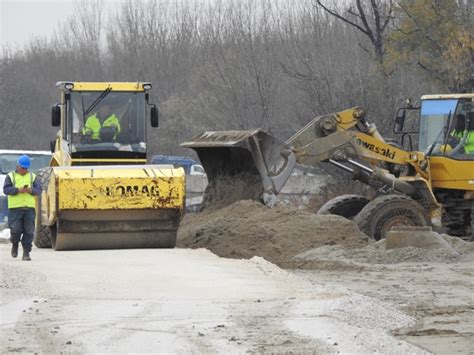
<point>435,285</point>
<point>301,287</point>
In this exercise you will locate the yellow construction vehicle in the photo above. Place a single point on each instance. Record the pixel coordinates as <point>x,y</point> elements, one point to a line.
<point>413,186</point>
<point>99,193</point>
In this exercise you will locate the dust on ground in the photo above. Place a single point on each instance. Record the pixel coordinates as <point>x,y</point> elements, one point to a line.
<point>376,253</point>
<point>295,238</point>
<point>247,228</point>
<point>438,294</point>
<point>435,285</point>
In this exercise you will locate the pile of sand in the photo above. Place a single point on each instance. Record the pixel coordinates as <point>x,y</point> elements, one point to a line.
<point>225,190</point>
<point>247,228</point>
<point>293,238</point>
<point>455,250</point>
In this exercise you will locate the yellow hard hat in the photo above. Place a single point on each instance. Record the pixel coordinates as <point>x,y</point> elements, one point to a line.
<point>445,148</point>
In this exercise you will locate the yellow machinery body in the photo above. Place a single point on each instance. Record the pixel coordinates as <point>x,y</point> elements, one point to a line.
<point>448,173</point>
<point>102,195</point>
<point>414,186</point>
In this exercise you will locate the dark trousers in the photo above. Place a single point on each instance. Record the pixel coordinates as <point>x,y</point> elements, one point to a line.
<point>22,226</point>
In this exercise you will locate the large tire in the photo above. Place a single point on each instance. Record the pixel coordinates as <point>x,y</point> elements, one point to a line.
<point>347,206</point>
<point>43,237</point>
<point>42,233</point>
<point>384,212</point>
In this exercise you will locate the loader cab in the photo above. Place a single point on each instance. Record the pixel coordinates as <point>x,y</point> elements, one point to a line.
<point>446,126</point>
<point>104,123</point>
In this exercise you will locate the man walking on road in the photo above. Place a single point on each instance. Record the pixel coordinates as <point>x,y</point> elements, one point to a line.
<point>21,187</point>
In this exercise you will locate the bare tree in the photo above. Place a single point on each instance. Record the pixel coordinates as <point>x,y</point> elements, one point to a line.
<point>369,17</point>
<point>214,65</point>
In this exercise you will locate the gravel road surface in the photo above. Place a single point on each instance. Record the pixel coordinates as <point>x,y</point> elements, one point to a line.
<point>182,300</point>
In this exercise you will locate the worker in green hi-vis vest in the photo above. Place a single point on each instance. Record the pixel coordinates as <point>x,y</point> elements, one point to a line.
<point>463,132</point>
<point>21,187</point>
<point>102,126</point>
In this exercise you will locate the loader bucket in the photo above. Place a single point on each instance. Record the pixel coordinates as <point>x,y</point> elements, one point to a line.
<point>242,165</point>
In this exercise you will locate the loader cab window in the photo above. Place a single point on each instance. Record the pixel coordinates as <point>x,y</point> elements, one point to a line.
<point>107,122</point>
<point>439,123</point>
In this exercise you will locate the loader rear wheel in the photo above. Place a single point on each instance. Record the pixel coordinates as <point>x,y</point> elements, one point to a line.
<point>385,212</point>
<point>42,233</point>
<point>347,206</point>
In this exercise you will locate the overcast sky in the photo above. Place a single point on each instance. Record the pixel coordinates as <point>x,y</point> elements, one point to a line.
<point>22,19</point>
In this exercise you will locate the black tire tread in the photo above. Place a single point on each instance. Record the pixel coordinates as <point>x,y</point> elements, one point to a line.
<point>365,217</point>
<point>43,237</point>
<point>43,233</point>
<point>340,205</point>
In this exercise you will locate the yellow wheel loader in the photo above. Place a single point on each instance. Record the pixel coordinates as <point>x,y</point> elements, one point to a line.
<point>414,187</point>
<point>98,192</point>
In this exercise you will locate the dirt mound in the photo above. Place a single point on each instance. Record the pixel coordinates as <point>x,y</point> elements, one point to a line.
<point>376,253</point>
<point>247,228</point>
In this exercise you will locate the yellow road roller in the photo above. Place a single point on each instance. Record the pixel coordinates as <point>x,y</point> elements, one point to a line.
<point>98,192</point>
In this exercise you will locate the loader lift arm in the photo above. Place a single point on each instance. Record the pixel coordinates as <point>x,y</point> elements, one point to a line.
<point>340,138</point>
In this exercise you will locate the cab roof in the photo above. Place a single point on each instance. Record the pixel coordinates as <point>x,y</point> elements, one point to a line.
<point>101,86</point>
<point>448,96</point>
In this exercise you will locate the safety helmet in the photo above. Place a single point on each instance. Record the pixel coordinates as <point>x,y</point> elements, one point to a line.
<point>445,148</point>
<point>24,161</point>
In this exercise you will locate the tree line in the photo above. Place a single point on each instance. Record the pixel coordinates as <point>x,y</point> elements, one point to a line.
<point>242,64</point>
